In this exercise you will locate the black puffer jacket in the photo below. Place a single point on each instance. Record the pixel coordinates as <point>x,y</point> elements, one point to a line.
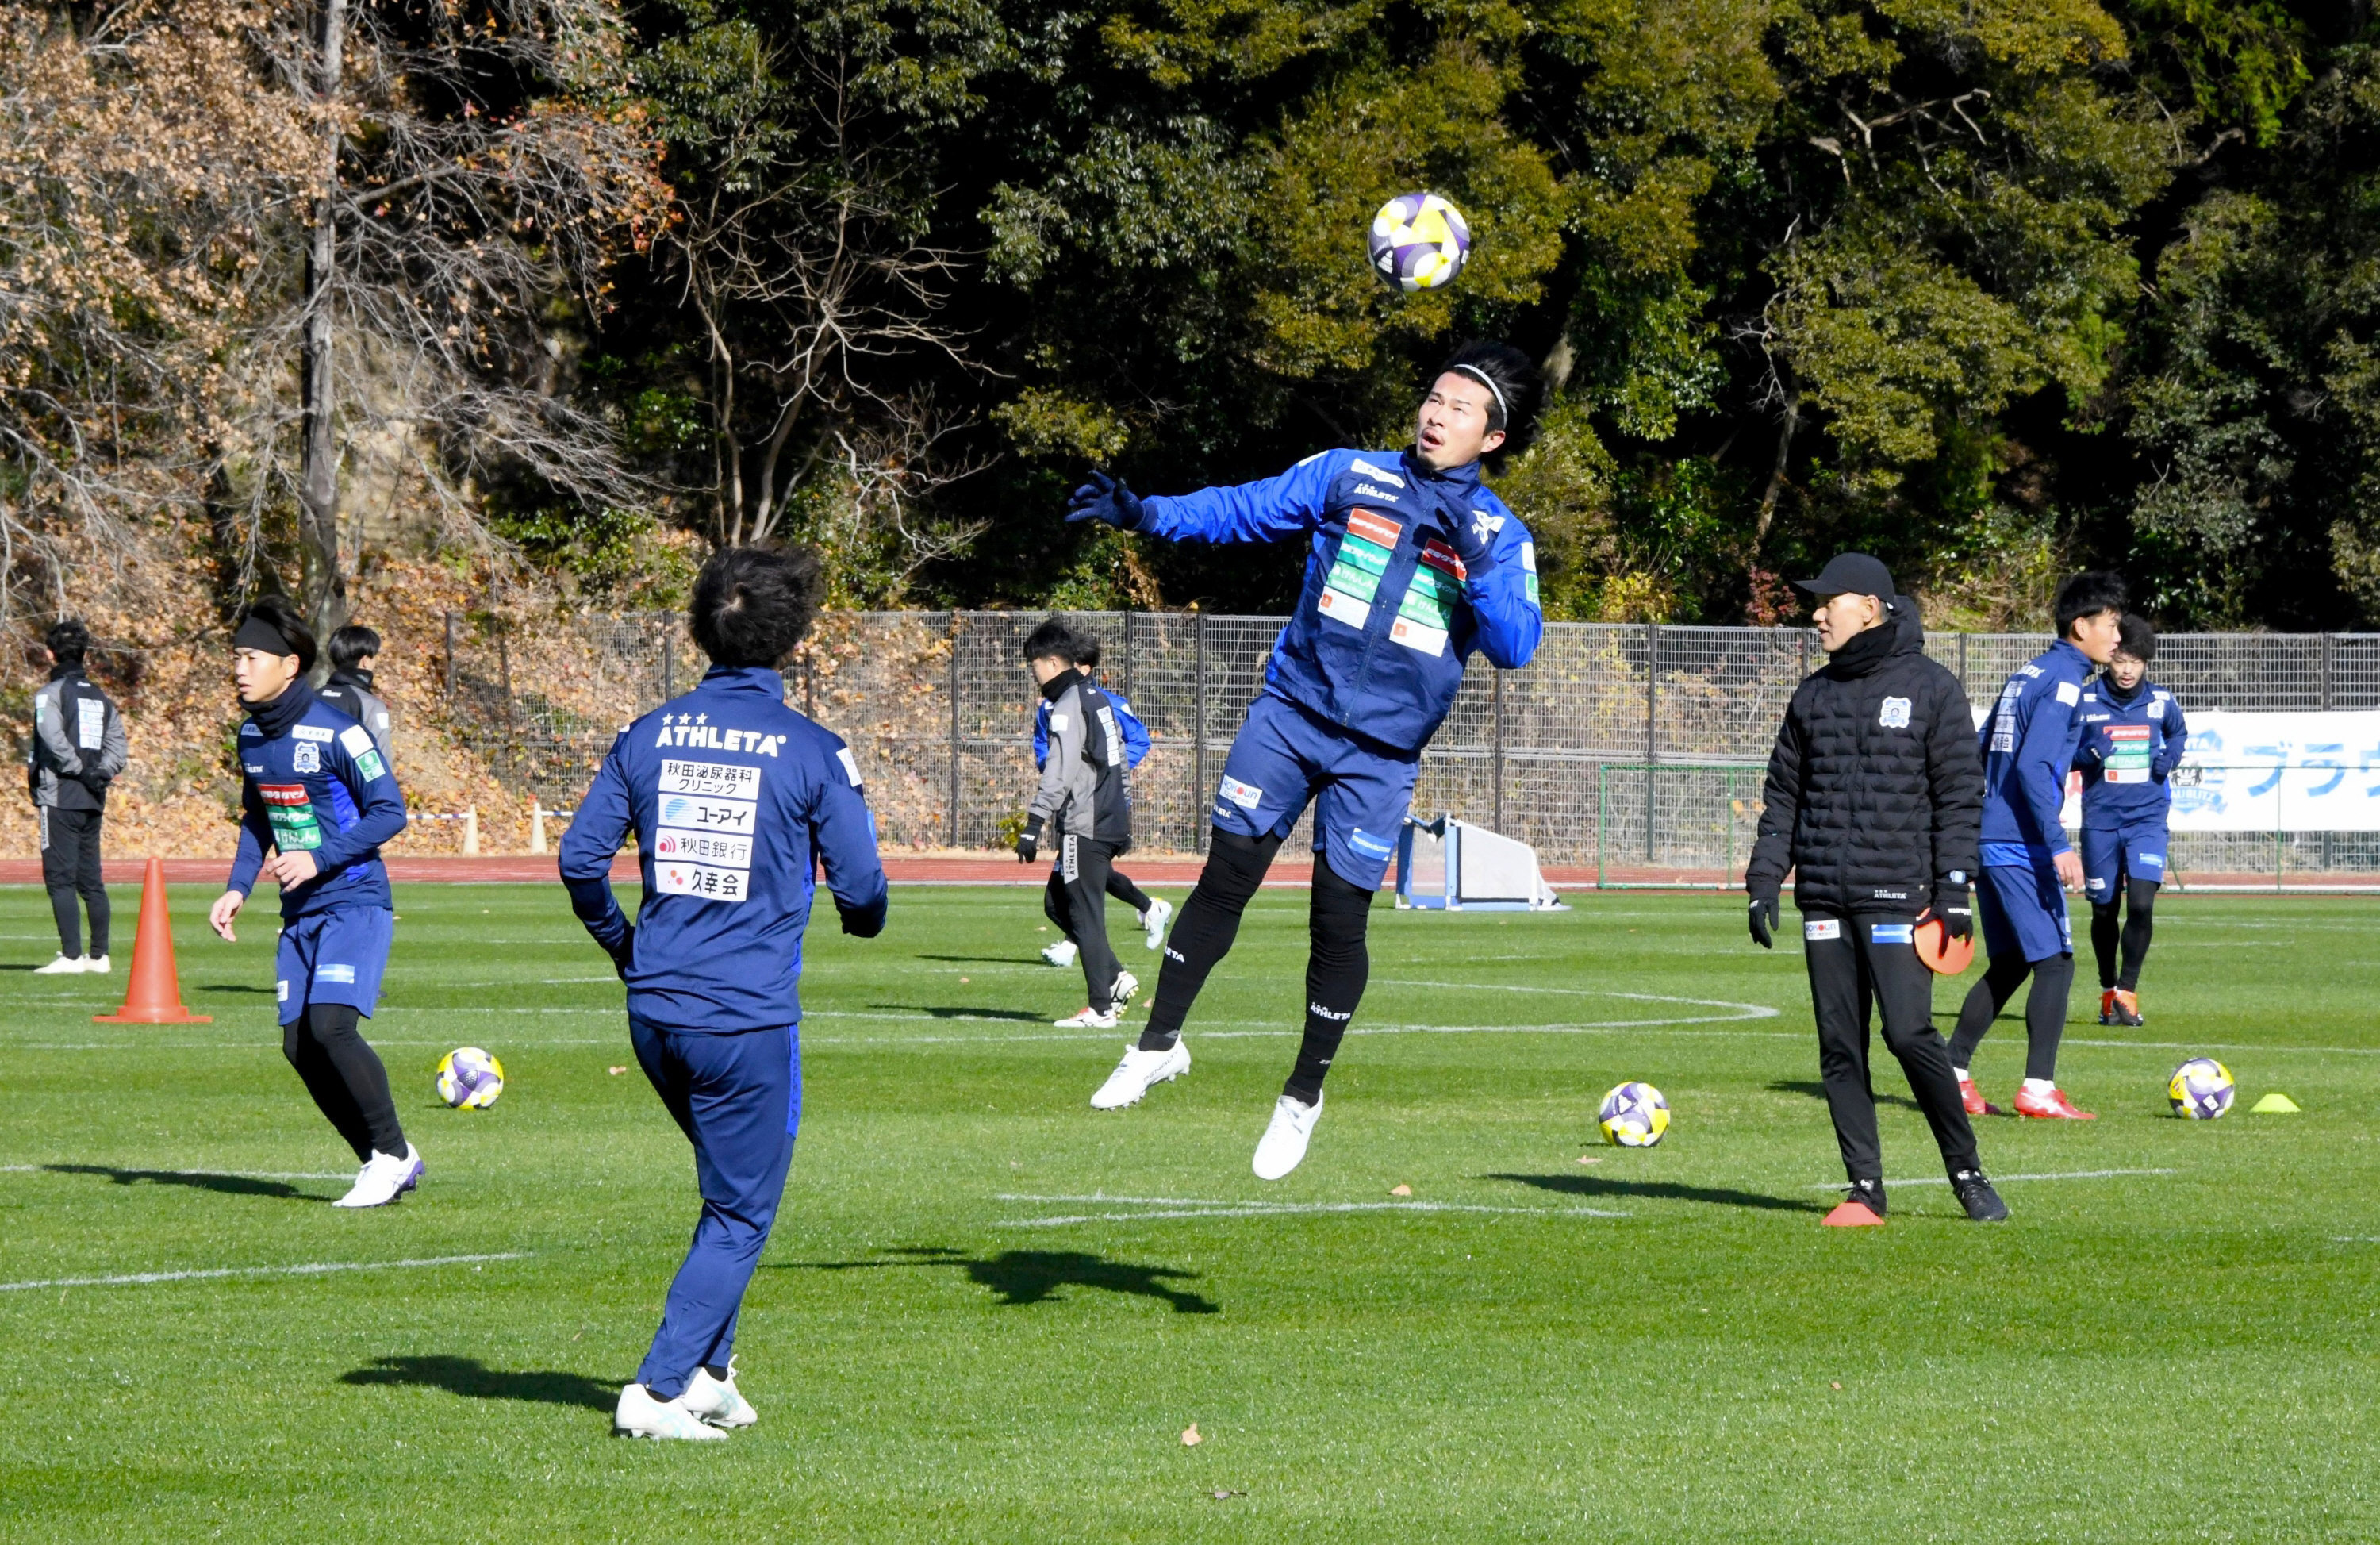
<point>1874,791</point>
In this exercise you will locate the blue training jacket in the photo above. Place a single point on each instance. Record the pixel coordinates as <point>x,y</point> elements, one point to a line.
<point>321,786</point>
<point>734,799</point>
<point>1389,613</point>
<point>1135,733</point>
<point>2131,745</point>
<point>2028,748</point>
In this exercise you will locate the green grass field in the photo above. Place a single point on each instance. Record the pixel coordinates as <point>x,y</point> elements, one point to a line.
<point>989,1313</point>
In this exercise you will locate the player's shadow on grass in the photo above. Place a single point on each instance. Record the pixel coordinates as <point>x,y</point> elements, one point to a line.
<point>1716,1195</point>
<point>1023,1278</point>
<point>201,1180</point>
<point>946,1011</point>
<point>1817,1091</point>
<point>475,1381</point>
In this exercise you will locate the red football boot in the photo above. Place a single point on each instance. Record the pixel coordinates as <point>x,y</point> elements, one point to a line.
<point>2127,1008</point>
<point>2106,1005</point>
<point>2053,1106</point>
<point>1972,1098</point>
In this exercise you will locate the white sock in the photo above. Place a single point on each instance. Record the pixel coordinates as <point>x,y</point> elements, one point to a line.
<point>2041,1086</point>
<point>1961,1073</point>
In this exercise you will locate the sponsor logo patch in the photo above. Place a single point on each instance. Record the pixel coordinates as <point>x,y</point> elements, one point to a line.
<point>281,990</point>
<point>1892,934</point>
<point>2068,693</point>
<point>850,765</point>
<point>1370,845</point>
<point>336,973</point>
<point>1894,714</point>
<point>2151,860</point>
<point>1245,796</point>
<point>308,732</point>
<point>701,882</point>
<point>371,767</point>
<point>91,722</point>
<point>1816,929</point>
<point>1380,473</point>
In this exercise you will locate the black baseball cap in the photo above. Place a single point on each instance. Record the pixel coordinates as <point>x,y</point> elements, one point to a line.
<point>1851,574</point>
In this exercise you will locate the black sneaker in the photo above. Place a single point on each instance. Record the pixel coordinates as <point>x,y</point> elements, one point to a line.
<point>1868,1193</point>
<point>1975,1194</point>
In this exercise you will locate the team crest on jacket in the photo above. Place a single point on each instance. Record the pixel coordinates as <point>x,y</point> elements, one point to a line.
<point>1894,715</point>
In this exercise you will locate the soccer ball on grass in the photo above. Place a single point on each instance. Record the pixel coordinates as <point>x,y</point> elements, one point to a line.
<point>1633,1115</point>
<point>2200,1090</point>
<point>470,1079</point>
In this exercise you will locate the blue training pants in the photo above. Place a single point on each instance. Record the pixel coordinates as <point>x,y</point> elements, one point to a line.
<point>738,1099</point>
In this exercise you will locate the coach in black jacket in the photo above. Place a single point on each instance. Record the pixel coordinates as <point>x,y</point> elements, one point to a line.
<point>1874,799</point>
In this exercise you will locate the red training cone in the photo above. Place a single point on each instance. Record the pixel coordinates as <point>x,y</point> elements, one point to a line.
<point>154,994</point>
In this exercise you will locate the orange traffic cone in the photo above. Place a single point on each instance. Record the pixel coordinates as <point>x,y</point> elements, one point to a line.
<point>154,994</point>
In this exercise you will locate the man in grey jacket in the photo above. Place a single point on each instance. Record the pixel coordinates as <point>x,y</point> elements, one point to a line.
<point>76,749</point>
<point>349,689</point>
<point>1085,803</point>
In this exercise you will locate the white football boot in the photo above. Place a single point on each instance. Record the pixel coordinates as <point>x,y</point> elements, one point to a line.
<point>384,1177</point>
<point>1060,953</point>
<point>1089,1019</point>
<point>717,1401</point>
<point>94,965</point>
<point>638,1415</point>
<point>64,966</point>
<point>1153,921</point>
<point>1138,1073</point>
<point>1283,1148</point>
<point>1126,987</point>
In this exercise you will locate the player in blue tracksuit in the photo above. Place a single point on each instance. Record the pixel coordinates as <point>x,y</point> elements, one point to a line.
<point>1411,565</point>
<point>1151,911</point>
<point>2132,739</point>
<point>316,793</point>
<point>2028,743</point>
<point>733,799</point>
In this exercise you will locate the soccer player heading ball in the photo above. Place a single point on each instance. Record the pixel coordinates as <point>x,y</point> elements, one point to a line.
<point>316,791</point>
<point>734,799</point>
<point>2028,744</point>
<point>2132,739</point>
<point>1411,565</point>
<point>1872,801</point>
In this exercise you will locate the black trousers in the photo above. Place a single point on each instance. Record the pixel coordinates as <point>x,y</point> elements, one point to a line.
<point>1076,900</point>
<point>70,871</point>
<point>1120,885</point>
<point>1850,969</point>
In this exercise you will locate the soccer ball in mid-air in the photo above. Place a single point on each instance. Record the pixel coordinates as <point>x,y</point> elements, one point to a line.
<point>1419,241</point>
<point>2200,1090</point>
<point>1633,1115</point>
<point>470,1079</point>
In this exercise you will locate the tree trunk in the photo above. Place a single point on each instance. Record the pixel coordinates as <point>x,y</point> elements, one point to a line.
<point>325,583</point>
<point>1777,474</point>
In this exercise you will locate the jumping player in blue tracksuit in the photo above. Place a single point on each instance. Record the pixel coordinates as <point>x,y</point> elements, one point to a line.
<point>2028,743</point>
<point>1153,912</point>
<point>1411,565</point>
<point>2132,739</point>
<point>733,799</point>
<point>317,795</point>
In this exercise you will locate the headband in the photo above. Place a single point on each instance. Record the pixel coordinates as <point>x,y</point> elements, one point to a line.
<point>1475,373</point>
<point>257,633</point>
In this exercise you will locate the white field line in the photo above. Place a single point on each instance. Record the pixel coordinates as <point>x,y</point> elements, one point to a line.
<point>1997,1179</point>
<point>314,1269</point>
<point>1286,1209</point>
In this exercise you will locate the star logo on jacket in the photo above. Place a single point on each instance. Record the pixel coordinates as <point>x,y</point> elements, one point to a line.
<point>1894,714</point>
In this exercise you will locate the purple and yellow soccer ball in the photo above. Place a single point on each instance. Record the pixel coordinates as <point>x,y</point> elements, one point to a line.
<point>2200,1090</point>
<point>470,1079</point>
<point>1633,1115</point>
<point>1419,242</point>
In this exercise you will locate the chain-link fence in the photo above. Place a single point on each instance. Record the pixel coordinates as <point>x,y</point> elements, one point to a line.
<point>1636,748</point>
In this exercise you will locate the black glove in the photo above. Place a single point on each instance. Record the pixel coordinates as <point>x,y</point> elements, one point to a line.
<point>1471,537</point>
<point>1028,842</point>
<point>1103,498</point>
<point>1763,918</point>
<point>1957,906</point>
<point>625,951</point>
<point>95,781</point>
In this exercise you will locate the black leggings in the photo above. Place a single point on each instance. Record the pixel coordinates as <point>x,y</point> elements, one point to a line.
<point>2140,921</point>
<point>346,1076</point>
<point>1336,969</point>
<point>2044,1010</point>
